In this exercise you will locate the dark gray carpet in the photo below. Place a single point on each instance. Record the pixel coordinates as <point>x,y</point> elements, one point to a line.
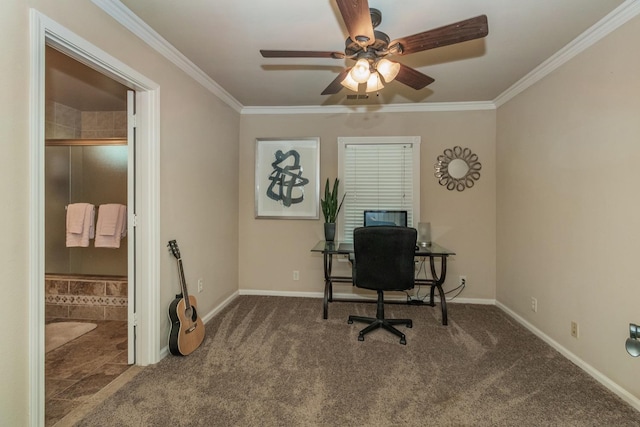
<point>273,361</point>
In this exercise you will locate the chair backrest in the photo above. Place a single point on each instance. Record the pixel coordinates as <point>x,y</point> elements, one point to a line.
<point>384,258</point>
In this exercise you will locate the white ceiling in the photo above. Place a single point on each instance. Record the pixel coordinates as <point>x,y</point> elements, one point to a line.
<point>223,39</point>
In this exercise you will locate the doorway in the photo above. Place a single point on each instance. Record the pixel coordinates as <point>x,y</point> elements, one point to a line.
<point>46,32</point>
<point>87,290</point>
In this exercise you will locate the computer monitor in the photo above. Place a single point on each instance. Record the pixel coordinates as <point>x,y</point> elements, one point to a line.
<point>384,217</point>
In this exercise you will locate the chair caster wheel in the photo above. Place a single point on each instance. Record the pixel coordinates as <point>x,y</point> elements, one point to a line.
<point>360,338</point>
<point>410,325</point>
<point>403,341</point>
<point>350,321</point>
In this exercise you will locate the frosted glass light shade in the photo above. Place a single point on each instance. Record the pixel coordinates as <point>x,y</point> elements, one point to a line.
<point>349,83</point>
<point>388,69</point>
<point>424,233</point>
<point>374,83</point>
<point>361,71</point>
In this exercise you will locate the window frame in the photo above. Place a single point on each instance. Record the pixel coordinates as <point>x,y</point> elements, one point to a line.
<point>414,141</point>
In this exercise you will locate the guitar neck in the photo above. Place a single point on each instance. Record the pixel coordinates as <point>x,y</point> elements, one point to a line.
<point>183,285</point>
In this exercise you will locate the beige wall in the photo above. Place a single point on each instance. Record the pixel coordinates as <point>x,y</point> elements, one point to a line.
<point>199,162</point>
<point>14,254</point>
<point>464,221</point>
<point>568,151</point>
<point>562,176</point>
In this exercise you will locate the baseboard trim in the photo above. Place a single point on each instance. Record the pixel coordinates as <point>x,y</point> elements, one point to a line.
<point>219,307</point>
<point>347,295</point>
<point>597,375</point>
<point>280,293</point>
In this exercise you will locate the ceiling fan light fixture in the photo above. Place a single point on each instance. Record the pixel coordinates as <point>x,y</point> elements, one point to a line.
<point>369,47</point>
<point>349,83</point>
<point>361,71</point>
<point>388,69</point>
<point>374,83</point>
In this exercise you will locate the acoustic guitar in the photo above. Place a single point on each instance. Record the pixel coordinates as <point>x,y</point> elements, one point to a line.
<point>187,329</point>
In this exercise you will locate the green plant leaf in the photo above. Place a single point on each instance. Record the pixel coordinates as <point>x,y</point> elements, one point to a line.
<point>330,207</point>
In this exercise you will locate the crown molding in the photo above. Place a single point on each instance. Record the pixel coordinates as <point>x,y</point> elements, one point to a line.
<point>125,17</point>
<point>619,16</point>
<point>623,13</point>
<point>137,26</point>
<point>387,108</point>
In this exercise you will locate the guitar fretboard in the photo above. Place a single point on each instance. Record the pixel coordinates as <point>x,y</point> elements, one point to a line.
<point>183,285</point>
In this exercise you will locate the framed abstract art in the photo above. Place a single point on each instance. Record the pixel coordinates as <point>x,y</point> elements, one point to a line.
<point>287,178</point>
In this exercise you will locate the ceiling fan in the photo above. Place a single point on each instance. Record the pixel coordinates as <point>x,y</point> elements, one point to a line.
<point>370,49</point>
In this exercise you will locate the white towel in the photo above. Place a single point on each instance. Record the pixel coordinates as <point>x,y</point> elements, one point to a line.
<point>75,217</point>
<point>80,224</point>
<point>111,226</point>
<point>108,216</point>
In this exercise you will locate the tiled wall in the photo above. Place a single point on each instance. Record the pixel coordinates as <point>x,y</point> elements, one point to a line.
<point>64,122</point>
<point>61,122</point>
<point>95,298</point>
<point>103,124</point>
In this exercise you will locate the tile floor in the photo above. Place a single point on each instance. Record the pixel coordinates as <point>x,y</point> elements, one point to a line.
<point>79,369</point>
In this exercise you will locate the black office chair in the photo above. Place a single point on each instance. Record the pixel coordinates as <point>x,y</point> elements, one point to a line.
<point>383,261</point>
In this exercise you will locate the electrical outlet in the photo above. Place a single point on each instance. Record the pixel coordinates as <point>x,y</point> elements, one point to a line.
<point>462,280</point>
<point>534,305</point>
<point>574,329</point>
<point>296,275</point>
<point>200,285</point>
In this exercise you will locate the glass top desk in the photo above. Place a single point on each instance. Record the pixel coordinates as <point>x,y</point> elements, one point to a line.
<point>433,252</point>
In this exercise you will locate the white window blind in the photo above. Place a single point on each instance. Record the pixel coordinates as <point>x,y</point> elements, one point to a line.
<point>377,175</point>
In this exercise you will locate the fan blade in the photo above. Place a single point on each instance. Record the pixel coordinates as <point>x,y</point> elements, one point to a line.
<point>357,18</point>
<point>413,78</point>
<point>335,86</point>
<point>300,54</point>
<point>469,29</point>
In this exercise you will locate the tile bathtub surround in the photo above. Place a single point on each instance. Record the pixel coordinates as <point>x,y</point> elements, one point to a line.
<point>63,122</point>
<point>93,298</point>
<point>104,124</point>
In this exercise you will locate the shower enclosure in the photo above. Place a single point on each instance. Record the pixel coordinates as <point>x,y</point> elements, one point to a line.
<point>84,282</point>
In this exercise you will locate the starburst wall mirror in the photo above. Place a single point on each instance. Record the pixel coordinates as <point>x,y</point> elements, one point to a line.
<point>458,168</point>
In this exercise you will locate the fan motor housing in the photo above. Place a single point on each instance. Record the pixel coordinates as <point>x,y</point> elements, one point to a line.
<point>381,43</point>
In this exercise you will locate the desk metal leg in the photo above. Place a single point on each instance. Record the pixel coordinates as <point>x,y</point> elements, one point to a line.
<point>443,303</point>
<point>328,286</point>
<point>438,281</point>
<point>325,309</point>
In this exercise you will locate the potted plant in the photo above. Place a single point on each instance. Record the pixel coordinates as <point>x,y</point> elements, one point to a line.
<point>330,209</point>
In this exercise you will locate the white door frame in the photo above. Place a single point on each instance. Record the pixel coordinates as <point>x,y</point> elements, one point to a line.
<point>44,31</point>
<point>131,227</point>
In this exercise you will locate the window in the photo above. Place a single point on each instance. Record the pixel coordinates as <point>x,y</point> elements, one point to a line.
<point>378,173</point>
